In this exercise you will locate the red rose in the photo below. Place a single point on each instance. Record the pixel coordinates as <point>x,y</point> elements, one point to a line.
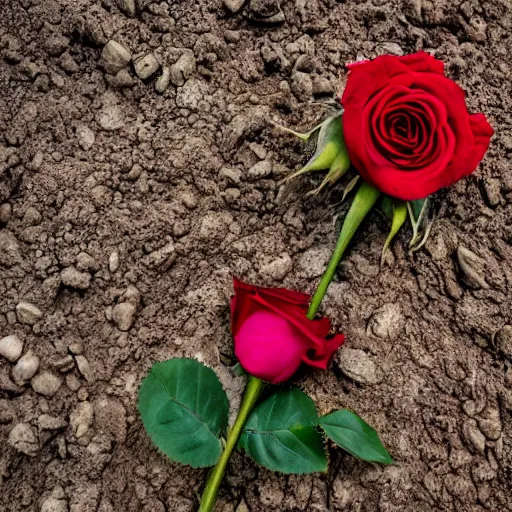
<point>407,128</point>
<point>272,334</point>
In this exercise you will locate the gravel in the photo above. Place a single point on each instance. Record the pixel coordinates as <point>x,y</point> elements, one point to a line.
<point>11,348</point>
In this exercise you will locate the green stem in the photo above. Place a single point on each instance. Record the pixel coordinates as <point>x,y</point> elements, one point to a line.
<point>252,392</point>
<point>365,198</point>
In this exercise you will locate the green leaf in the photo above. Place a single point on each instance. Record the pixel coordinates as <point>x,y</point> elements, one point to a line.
<point>399,209</point>
<point>184,411</point>
<point>355,436</point>
<point>281,434</point>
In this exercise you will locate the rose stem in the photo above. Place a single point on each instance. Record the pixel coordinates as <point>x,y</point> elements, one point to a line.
<point>365,198</point>
<point>252,392</point>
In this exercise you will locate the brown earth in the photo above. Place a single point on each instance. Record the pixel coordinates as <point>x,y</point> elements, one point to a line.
<point>125,212</point>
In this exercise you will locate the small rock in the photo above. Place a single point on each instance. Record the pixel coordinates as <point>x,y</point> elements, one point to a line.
<point>56,45</point>
<point>277,269</point>
<point>473,268</point>
<point>52,504</point>
<point>5,213</point>
<point>85,261</point>
<point>123,315</point>
<point>10,253</point>
<point>264,8</point>
<point>183,68</point>
<point>68,63</point>
<point>75,279</point>
<point>358,366</point>
<point>504,341</point>
<point>490,423</point>
<point>322,86</point>
<point>162,82</point>
<point>111,118</point>
<point>260,170</point>
<point>390,48</point>
<point>492,189</point>
<point>121,79</point>
<point>232,175</point>
<point>192,92</point>
<point>128,7</point>
<point>64,364</point>
<point>114,57</point>
<point>47,422</point>
<point>189,200</point>
<point>25,368</point>
<point>234,5</point>
<point>85,137</point>
<point>113,262</point>
<point>146,66</point>
<point>163,257</point>
<point>386,322</point>
<point>46,384</point>
<point>81,418</point>
<point>27,313</point>
<point>23,439</point>
<point>11,348</point>
<point>473,436</point>
<point>301,85</point>
<point>84,368</point>
<point>76,348</point>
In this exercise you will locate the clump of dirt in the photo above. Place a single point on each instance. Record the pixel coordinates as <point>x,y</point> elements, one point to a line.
<point>139,171</point>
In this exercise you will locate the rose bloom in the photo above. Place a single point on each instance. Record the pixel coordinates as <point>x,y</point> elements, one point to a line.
<point>273,336</point>
<point>407,128</point>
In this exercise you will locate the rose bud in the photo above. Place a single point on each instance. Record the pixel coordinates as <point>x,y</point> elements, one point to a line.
<point>273,336</point>
<point>407,128</point>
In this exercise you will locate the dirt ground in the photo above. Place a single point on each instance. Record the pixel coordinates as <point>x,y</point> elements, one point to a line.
<point>128,200</point>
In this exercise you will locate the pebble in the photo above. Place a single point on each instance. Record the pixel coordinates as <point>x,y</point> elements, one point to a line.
<point>504,341</point>
<point>234,5</point>
<point>358,366</point>
<point>473,268</point>
<point>114,57</point>
<point>192,92</point>
<point>110,118</point>
<point>123,315</point>
<point>85,137</point>
<point>473,436</point>
<point>146,66</point>
<point>183,68</point>
<point>47,422</point>
<point>10,253</point>
<point>64,364</point>
<point>25,368</point>
<point>386,322</point>
<point>23,439</point>
<point>260,170</point>
<point>5,213</point>
<point>232,175</point>
<point>264,8</point>
<point>81,418</point>
<point>84,368</point>
<point>52,504</point>
<point>301,85</point>
<point>11,348</point>
<point>113,262</point>
<point>277,269</point>
<point>46,384</point>
<point>73,278</point>
<point>322,86</point>
<point>162,82</point>
<point>121,79</point>
<point>490,423</point>
<point>28,313</point>
<point>189,200</point>
<point>128,7</point>
<point>68,63</point>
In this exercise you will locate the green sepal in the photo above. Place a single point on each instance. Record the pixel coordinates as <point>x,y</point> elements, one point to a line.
<point>281,434</point>
<point>354,435</point>
<point>184,410</point>
<point>420,215</point>
<point>399,214</point>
